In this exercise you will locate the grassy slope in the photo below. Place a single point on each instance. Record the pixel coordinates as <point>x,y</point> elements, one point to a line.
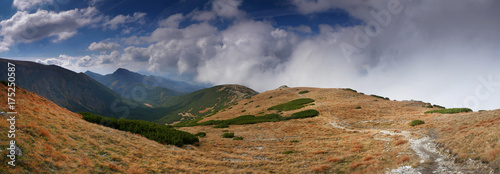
<point>317,146</point>
<point>55,140</point>
<point>205,101</point>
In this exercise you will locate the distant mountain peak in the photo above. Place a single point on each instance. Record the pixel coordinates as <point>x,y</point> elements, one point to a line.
<point>122,70</point>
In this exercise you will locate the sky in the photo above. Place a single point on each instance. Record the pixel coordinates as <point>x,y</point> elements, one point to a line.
<point>445,52</point>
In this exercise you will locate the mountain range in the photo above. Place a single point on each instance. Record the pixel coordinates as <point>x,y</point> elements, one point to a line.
<point>130,95</point>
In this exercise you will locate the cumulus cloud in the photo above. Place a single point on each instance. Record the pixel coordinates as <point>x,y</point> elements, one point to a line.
<point>135,53</point>
<point>62,60</point>
<point>120,20</point>
<point>228,9</point>
<point>28,27</point>
<point>28,4</point>
<point>101,46</point>
<point>108,58</point>
<point>86,61</point>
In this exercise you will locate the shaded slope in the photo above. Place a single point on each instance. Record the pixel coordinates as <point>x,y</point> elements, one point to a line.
<point>74,91</point>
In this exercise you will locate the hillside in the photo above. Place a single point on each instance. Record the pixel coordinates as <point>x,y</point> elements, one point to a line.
<point>354,133</point>
<point>53,139</point>
<point>204,102</point>
<point>74,91</point>
<point>357,133</point>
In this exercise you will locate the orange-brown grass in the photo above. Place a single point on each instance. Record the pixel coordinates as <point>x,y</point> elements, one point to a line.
<point>471,135</point>
<point>53,137</point>
<point>399,142</point>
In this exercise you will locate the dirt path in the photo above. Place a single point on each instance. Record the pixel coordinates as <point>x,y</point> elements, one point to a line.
<point>432,160</point>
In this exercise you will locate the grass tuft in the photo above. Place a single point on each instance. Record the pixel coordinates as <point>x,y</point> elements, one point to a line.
<point>416,122</point>
<point>292,105</point>
<point>449,111</point>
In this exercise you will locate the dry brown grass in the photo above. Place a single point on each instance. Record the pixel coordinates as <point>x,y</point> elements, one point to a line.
<point>66,142</point>
<point>399,142</point>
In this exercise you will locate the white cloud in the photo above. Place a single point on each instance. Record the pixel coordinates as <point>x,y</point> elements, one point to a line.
<point>108,58</point>
<point>228,9</point>
<point>101,46</point>
<point>25,27</point>
<point>120,20</point>
<point>86,61</point>
<point>133,53</point>
<point>62,61</point>
<point>172,21</point>
<point>28,4</point>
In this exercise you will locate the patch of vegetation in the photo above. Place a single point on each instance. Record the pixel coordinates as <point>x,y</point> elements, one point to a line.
<point>251,119</point>
<point>257,106</point>
<point>157,132</point>
<point>270,96</point>
<point>200,134</point>
<point>294,141</point>
<point>292,105</point>
<point>358,107</point>
<point>349,89</point>
<point>238,138</point>
<point>243,110</point>
<point>228,135</point>
<point>222,125</point>
<point>416,122</point>
<point>430,106</point>
<point>449,111</point>
<point>288,152</point>
<point>303,92</point>
<point>380,97</point>
<point>303,114</point>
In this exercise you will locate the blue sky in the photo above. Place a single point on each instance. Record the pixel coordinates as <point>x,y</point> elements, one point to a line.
<point>445,52</point>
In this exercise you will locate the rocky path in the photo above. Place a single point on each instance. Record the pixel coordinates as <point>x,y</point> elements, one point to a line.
<point>432,160</point>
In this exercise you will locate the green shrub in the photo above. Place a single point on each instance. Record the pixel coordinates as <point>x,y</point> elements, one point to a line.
<point>304,114</point>
<point>358,107</point>
<point>222,125</point>
<point>270,96</point>
<point>228,135</point>
<point>449,111</point>
<point>294,141</point>
<point>257,106</point>
<point>430,106</point>
<point>243,110</point>
<point>416,122</point>
<point>157,132</point>
<point>292,105</point>
<point>385,98</point>
<point>200,134</point>
<point>303,92</point>
<point>238,138</point>
<point>288,152</point>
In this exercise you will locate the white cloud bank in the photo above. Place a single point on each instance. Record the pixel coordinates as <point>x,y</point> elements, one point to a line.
<point>445,52</point>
